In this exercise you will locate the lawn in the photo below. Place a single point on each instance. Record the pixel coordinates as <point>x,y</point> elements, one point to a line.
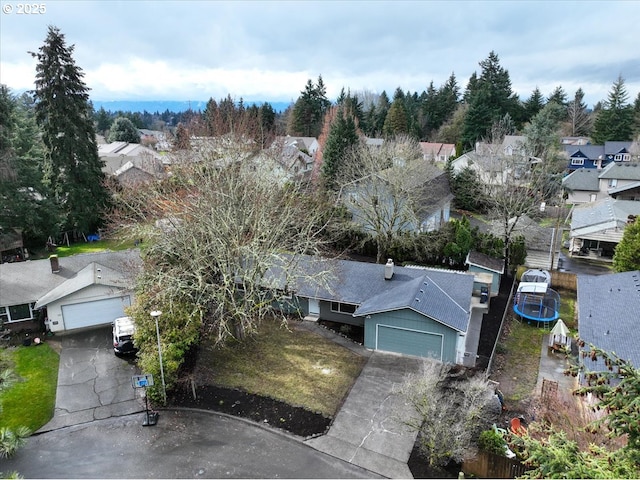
<point>519,352</point>
<point>31,401</point>
<point>92,247</point>
<point>289,364</point>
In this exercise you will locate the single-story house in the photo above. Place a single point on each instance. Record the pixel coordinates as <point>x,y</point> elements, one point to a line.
<point>608,308</point>
<point>407,310</point>
<point>596,228</point>
<point>67,293</point>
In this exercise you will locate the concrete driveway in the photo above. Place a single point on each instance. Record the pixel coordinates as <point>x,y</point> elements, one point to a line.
<point>93,384</point>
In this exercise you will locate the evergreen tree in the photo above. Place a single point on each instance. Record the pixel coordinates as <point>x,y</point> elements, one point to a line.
<point>103,121</point>
<point>72,168</point>
<point>343,135</point>
<point>489,100</point>
<point>579,118</point>
<point>308,111</point>
<point>627,253</point>
<point>397,121</point>
<point>533,104</point>
<point>123,130</point>
<point>382,110</point>
<point>636,114</point>
<point>558,96</point>
<point>615,120</point>
<point>23,198</point>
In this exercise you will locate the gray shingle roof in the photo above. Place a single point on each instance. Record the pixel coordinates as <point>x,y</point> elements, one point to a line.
<point>446,297</point>
<point>585,179</point>
<point>27,282</point>
<point>592,152</point>
<point>607,212</point>
<point>621,171</point>
<point>485,261</point>
<point>608,314</point>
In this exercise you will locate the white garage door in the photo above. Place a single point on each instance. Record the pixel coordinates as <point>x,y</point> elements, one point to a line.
<point>99,312</point>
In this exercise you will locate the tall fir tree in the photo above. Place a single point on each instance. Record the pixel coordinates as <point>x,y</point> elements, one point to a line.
<point>343,135</point>
<point>308,111</point>
<point>615,120</point>
<point>397,120</point>
<point>490,98</point>
<point>72,168</point>
<point>533,104</point>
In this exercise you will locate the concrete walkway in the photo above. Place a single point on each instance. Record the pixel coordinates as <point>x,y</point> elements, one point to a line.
<point>552,367</point>
<point>369,430</point>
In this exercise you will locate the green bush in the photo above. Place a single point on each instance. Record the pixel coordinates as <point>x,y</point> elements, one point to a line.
<point>492,442</point>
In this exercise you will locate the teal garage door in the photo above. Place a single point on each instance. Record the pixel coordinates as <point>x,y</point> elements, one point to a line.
<point>408,341</point>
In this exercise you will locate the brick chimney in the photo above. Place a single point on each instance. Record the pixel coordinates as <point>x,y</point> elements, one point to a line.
<point>388,270</point>
<point>55,264</point>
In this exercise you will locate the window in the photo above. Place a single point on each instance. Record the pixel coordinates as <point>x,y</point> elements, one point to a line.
<point>343,307</point>
<point>577,161</point>
<point>618,157</point>
<point>16,313</point>
<point>613,182</point>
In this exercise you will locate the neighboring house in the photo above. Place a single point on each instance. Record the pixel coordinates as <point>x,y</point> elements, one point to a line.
<point>541,242</point>
<point>412,311</point>
<point>11,245</point>
<point>154,138</point>
<point>492,169</point>
<point>597,156</point>
<point>512,145</point>
<point>620,180</point>
<point>308,145</point>
<point>596,228</point>
<point>437,152</point>
<point>482,263</point>
<point>607,309</point>
<point>582,186</point>
<point>575,141</point>
<point>130,163</point>
<point>70,292</point>
<point>425,208</point>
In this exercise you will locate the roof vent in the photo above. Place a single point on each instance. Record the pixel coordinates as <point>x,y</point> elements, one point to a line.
<point>388,270</point>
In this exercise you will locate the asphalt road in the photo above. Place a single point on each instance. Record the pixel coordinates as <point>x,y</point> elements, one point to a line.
<point>183,444</point>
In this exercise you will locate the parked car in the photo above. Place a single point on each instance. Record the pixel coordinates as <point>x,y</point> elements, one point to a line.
<point>123,330</point>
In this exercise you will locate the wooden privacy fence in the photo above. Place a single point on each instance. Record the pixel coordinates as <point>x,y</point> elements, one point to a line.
<point>564,280</point>
<point>489,465</point>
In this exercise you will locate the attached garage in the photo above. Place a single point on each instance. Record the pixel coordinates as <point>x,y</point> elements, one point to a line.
<point>98,312</point>
<point>409,341</point>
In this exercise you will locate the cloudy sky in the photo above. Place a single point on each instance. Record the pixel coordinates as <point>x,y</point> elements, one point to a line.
<point>266,50</point>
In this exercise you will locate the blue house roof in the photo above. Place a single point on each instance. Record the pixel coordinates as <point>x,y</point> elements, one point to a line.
<point>609,307</point>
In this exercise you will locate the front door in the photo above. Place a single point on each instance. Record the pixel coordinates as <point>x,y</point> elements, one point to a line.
<point>314,307</point>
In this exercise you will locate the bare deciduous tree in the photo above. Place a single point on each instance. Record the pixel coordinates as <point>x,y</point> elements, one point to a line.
<point>214,230</point>
<point>385,188</point>
<point>450,413</point>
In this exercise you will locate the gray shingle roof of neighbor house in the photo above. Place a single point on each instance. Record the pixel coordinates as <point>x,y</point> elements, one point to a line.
<point>585,179</point>
<point>440,294</point>
<point>485,261</point>
<point>608,315</point>
<point>28,282</point>
<point>606,211</point>
<point>621,171</point>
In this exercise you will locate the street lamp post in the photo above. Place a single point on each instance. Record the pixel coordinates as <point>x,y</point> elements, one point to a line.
<point>155,314</point>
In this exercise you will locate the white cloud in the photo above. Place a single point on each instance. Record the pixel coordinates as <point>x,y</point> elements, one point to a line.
<point>200,49</point>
